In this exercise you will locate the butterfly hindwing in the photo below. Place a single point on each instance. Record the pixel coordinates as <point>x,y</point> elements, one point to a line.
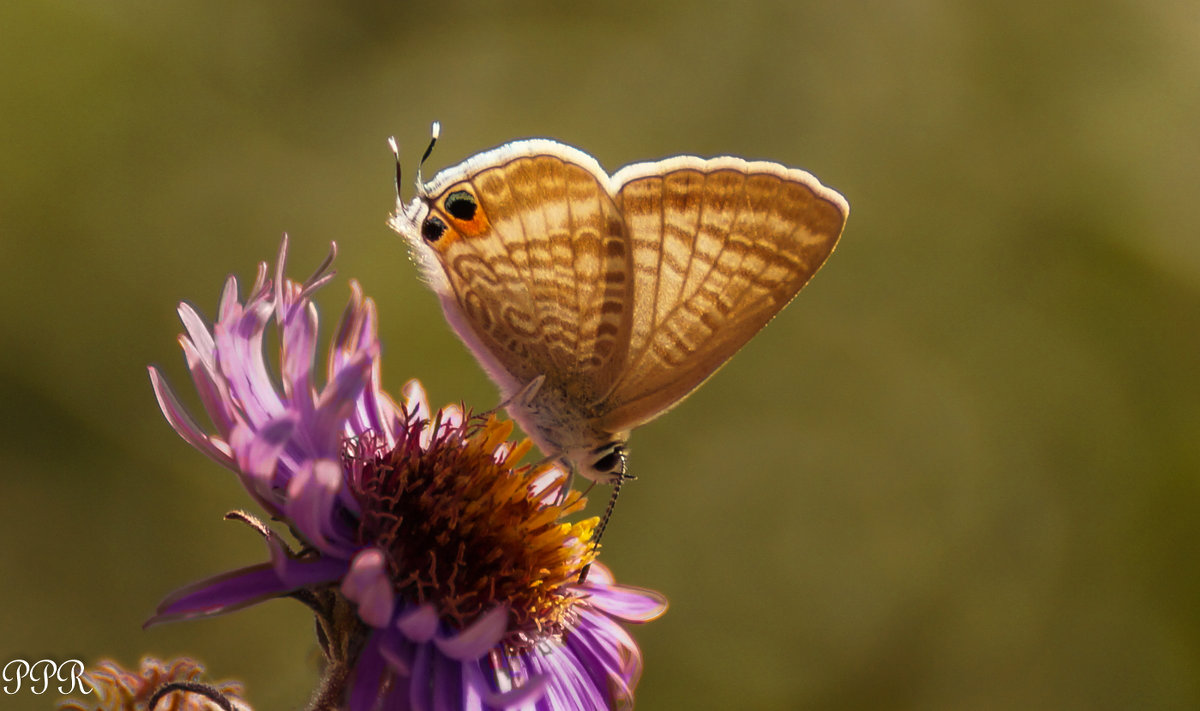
<point>719,247</point>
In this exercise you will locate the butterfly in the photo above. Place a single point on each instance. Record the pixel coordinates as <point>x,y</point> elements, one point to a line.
<point>598,302</point>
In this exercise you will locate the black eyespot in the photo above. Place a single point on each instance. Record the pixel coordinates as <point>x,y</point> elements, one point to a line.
<point>461,204</point>
<point>612,461</point>
<point>433,229</point>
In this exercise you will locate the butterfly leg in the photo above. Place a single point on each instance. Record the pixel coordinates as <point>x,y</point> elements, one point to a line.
<point>523,398</point>
<point>525,395</point>
<point>565,489</point>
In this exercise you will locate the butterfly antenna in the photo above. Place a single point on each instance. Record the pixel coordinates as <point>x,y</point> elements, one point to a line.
<point>612,503</point>
<point>433,138</point>
<point>396,153</point>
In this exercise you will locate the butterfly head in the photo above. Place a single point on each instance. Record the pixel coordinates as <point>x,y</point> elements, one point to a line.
<point>451,215</point>
<point>604,464</point>
<point>433,223</point>
<point>443,211</point>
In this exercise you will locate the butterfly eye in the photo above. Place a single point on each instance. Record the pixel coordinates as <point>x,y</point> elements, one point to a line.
<point>461,205</point>
<point>614,460</point>
<point>433,229</point>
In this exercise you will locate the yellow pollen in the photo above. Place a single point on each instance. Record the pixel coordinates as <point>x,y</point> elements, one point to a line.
<point>466,532</point>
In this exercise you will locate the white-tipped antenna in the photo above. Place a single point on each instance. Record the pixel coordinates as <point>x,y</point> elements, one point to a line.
<point>434,133</point>
<point>396,152</point>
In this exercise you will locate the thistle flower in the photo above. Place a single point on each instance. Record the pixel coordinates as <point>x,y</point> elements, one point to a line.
<point>442,573</point>
<point>156,686</point>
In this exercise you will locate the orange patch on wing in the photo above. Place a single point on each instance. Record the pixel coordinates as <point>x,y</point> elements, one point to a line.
<point>477,223</point>
<point>449,236</point>
<point>473,227</point>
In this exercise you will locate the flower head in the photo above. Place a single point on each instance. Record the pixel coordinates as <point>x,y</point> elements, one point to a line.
<point>443,574</point>
<point>156,686</point>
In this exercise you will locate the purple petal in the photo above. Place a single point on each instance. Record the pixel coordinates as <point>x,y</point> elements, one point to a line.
<point>298,350</point>
<point>567,686</point>
<point>280,281</point>
<point>311,498</point>
<point>472,698</point>
<point>610,640</point>
<point>213,391</point>
<point>322,274</point>
<point>240,588</point>
<point>259,455</point>
<point>260,281</point>
<point>450,417</point>
<point>547,487</point>
<point>257,482</point>
<point>446,684</point>
<point>199,332</point>
<point>421,691</point>
<point>628,602</point>
<point>476,680</point>
<point>349,337</point>
<point>613,673</point>
<point>184,425</point>
<point>239,342</point>
<point>304,573</point>
<point>418,624</point>
<point>368,585</point>
<point>475,641</point>
<point>240,359</point>
<point>229,307</point>
<point>368,678</point>
<point>413,397</point>
<point>337,401</point>
<point>368,322</point>
<point>396,650</point>
<point>599,574</point>
<point>376,411</point>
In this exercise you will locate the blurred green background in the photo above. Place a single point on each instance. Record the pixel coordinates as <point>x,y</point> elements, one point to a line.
<point>962,470</point>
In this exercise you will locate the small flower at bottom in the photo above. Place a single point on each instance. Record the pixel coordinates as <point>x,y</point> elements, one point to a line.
<point>156,686</point>
<point>443,574</point>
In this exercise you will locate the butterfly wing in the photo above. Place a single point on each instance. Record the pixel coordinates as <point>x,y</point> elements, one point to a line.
<point>535,277</point>
<point>718,248</point>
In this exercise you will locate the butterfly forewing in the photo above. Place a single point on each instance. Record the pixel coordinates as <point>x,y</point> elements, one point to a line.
<point>541,274</point>
<point>719,247</point>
